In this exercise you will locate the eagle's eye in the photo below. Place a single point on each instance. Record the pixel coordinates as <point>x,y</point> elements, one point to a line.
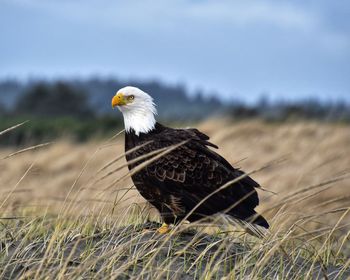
<point>131,97</point>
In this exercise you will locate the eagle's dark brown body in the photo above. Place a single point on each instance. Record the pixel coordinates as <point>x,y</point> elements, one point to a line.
<point>179,180</point>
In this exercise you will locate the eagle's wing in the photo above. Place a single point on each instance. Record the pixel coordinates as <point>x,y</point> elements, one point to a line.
<point>192,171</point>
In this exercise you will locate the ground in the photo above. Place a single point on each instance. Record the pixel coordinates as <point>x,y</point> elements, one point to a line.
<point>70,209</point>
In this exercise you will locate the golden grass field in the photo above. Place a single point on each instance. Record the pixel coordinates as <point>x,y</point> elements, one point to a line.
<point>53,194</point>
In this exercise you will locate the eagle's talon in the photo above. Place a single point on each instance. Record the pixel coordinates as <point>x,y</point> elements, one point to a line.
<point>164,229</point>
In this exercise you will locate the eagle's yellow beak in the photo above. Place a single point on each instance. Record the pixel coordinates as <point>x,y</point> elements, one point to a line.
<point>118,100</point>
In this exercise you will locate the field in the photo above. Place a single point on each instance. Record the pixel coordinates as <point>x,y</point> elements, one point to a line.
<point>70,210</point>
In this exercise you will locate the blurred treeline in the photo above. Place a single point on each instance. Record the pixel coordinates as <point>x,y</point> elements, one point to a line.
<point>53,110</point>
<point>81,109</point>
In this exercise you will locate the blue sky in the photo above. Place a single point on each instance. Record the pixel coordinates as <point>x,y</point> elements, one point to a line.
<point>238,49</point>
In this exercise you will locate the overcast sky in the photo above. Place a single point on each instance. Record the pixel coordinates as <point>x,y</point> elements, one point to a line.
<point>289,49</point>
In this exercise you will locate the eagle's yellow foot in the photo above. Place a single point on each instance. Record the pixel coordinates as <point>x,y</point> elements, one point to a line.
<point>164,229</point>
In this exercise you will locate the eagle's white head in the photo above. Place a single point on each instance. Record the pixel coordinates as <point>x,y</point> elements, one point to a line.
<point>137,107</point>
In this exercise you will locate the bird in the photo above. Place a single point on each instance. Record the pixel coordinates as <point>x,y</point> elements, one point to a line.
<point>187,182</point>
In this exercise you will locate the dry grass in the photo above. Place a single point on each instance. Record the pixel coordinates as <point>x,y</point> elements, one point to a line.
<point>71,210</point>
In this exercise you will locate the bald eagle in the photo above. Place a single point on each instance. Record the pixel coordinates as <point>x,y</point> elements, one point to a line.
<point>178,181</point>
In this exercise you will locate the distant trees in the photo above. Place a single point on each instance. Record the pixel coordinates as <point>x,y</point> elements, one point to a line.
<point>90,98</point>
<point>81,109</point>
<point>2,109</point>
<point>52,100</point>
<point>311,109</point>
